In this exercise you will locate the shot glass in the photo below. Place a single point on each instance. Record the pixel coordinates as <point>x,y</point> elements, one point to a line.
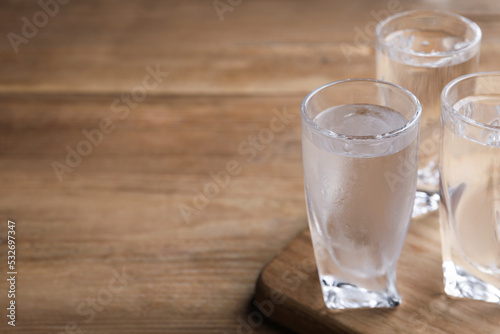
<point>422,51</point>
<point>470,186</point>
<point>360,156</point>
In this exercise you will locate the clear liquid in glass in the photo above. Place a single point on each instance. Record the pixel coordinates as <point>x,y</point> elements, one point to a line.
<point>358,216</point>
<point>425,77</point>
<point>470,208</point>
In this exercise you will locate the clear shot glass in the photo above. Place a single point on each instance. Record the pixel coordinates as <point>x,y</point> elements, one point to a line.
<point>422,51</point>
<point>470,186</point>
<point>360,157</point>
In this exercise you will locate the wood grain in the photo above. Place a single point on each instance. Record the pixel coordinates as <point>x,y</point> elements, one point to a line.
<point>119,208</point>
<point>291,278</point>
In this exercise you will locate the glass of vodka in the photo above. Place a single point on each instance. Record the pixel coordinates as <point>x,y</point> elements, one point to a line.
<point>470,186</point>
<point>360,157</point>
<point>422,51</point>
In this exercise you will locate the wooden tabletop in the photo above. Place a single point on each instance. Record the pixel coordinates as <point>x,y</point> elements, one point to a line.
<point>150,151</point>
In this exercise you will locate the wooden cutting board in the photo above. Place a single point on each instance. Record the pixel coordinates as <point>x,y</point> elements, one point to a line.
<point>289,293</point>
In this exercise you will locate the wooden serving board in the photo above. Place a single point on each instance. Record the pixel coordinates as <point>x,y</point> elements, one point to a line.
<point>289,293</point>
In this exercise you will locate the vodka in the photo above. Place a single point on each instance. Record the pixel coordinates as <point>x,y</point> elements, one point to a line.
<point>359,197</point>
<point>430,59</point>
<point>470,210</point>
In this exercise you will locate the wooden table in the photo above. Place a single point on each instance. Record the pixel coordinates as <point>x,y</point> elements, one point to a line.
<point>108,239</point>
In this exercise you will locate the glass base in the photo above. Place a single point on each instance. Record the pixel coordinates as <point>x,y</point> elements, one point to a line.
<point>425,202</point>
<point>428,177</point>
<point>341,295</point>
<point>427,197</point>
<point>461,284</point>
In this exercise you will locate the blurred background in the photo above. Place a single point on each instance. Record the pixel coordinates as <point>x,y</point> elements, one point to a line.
<point>150,150</point>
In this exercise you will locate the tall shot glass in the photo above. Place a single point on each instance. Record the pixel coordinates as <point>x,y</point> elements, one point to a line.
<point>470,186</point>
<point>422,51</point>
<point>360,156</point>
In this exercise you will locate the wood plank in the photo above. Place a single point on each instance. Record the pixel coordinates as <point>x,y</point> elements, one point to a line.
<point>291,277</point>
<point>119,208</point>
<point>261,47</point>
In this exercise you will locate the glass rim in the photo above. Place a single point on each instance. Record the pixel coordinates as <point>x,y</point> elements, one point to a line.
<point>470,45</point>
<point>391,134</point>
<point>445,103</point>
